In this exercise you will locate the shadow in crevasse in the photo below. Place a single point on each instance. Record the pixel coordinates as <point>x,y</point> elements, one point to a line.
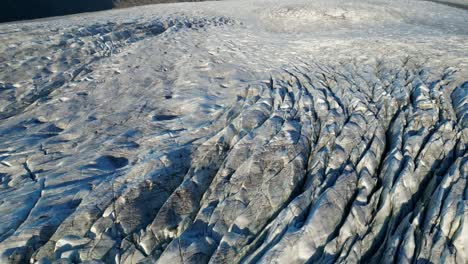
<point>423,261</point>
<point>330,259</point>
<point>11,10</point>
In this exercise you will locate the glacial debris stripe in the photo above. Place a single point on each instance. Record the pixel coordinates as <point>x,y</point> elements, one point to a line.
<point>179,139</point>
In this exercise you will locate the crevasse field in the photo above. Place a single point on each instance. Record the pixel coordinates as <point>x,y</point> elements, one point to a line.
<point>236,132</point>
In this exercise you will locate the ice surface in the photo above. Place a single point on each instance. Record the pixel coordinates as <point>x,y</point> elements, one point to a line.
<point>236,132</point>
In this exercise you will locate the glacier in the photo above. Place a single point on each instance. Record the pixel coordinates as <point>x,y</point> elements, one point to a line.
<point>246,131</point>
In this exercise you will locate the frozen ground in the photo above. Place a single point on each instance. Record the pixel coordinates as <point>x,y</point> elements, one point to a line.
<point>244,131</point>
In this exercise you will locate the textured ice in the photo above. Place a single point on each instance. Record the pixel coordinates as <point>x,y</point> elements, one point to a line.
<point>236,132</point>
